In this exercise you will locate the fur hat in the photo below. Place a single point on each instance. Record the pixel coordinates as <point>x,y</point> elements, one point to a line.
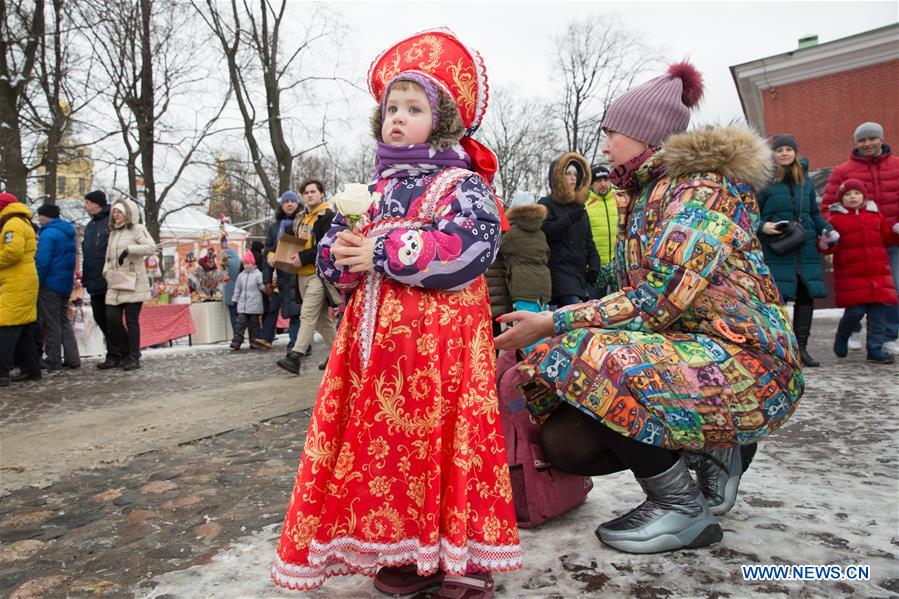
<point>866,130</point>
<point>658,108</point>
<point>853,184</point>
<point>49,210</point>
<point>97,197</point>
<point>784,139</point>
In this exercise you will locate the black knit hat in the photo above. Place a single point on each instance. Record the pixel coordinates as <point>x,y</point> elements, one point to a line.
<point>784,139</point>
<point>97,197</point>
<point>49,210</point>
<point>599,172</point>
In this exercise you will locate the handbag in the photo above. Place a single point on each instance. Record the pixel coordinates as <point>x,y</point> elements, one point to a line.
<point>791,235</point>
<point>540,491</point>
<point>121,281</point>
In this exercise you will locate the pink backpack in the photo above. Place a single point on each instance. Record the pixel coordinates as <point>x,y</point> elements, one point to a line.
<point>540,491</point>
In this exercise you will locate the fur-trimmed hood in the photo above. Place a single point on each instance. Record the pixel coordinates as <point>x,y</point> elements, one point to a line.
<point>733,151</point>
<point>529,217</point>
<point>558,189</point>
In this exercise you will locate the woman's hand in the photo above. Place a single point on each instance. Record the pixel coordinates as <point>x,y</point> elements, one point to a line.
<point>770,228</point>
<point>529,327</point>
<point>354,250</point>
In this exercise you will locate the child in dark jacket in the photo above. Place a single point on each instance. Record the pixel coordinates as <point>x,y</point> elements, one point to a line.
<point>525,256</point>
<point>248,298</point>
<point>863,282</point>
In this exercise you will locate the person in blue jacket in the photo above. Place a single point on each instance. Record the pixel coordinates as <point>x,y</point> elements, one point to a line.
<point>93,255</point>
<point>55,260</point>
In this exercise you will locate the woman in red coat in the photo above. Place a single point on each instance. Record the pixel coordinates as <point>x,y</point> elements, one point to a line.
<point>863,281</point>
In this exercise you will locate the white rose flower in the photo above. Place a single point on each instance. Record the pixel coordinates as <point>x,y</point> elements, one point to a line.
<point>355,199</point>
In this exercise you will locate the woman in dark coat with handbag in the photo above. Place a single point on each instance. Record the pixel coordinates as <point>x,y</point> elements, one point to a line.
<point>796,270</point>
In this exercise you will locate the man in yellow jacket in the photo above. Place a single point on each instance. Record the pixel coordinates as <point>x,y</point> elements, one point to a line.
<point>18,292</point>
<point>602,210</point>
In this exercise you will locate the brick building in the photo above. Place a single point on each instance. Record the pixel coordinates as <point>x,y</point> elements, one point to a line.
<point>821,92</point>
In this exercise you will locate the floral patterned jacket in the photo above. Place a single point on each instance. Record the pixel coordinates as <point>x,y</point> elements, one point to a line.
<point>688,257</point>
<point>457,246</point>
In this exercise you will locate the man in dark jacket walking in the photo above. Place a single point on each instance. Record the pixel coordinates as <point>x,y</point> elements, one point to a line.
<point>573,260</point>
<point>55,261</point>
<point>93,255</point>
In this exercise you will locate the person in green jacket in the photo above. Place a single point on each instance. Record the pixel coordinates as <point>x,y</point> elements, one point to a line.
<point>602,210</point>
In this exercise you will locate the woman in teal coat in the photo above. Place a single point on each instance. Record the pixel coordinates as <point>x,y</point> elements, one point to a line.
<point>798,274</point>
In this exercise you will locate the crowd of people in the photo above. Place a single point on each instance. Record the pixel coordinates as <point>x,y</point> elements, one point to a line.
<point>37,275</point>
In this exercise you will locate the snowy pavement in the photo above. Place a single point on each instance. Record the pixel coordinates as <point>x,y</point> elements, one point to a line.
<point>197,515</point>
<point>821,491</point>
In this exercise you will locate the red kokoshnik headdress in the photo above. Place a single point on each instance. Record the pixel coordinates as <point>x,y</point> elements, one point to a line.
<point>455,69</point>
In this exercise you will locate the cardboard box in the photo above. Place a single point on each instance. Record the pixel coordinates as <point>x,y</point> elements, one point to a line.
<point>288,247</point>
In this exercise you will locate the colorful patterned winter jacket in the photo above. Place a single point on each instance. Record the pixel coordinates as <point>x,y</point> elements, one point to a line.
<point>688,256</point>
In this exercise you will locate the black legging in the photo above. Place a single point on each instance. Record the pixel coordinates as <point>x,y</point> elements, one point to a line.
<point>123,342</point>
<point>580,444</point>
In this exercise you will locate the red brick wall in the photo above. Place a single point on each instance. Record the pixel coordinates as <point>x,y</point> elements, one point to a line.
<point>823,112</point>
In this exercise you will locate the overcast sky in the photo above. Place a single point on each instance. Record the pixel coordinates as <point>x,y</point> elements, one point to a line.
<point>515,38</point>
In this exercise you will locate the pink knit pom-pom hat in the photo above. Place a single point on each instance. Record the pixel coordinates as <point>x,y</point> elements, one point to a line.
<point>658,108</point>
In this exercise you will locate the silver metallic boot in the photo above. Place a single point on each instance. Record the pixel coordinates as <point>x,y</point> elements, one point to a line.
<point>675,515</point>
<point>718,473</point>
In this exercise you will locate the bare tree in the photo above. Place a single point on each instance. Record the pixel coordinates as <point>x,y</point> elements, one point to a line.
<point>151,59</point>
<point>597,59</point>
<point>23,25</point>
<point>257,57</point>
<point>515,129</point>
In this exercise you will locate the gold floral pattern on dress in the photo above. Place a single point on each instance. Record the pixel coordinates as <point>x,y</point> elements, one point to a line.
<point>381,524</point>
<point>379,486</point>
<point>303,531</point>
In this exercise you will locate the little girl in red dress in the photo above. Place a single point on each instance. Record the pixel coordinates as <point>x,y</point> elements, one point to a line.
<point>404,475</point>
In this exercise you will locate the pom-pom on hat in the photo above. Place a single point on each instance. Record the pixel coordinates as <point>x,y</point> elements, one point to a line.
<point>248,258</point>
<point>658,108</point>
<point>437,54</point>
<point>852,184</point>
<point>784,139</point>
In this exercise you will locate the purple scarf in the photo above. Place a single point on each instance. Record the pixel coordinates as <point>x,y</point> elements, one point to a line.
<point>416,159</point>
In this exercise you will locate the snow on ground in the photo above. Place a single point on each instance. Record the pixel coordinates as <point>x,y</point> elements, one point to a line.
<point>821,491</point>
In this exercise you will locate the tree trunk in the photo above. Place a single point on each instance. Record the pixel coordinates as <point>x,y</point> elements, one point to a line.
<point>146,120</point>
<point>12,85</point>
